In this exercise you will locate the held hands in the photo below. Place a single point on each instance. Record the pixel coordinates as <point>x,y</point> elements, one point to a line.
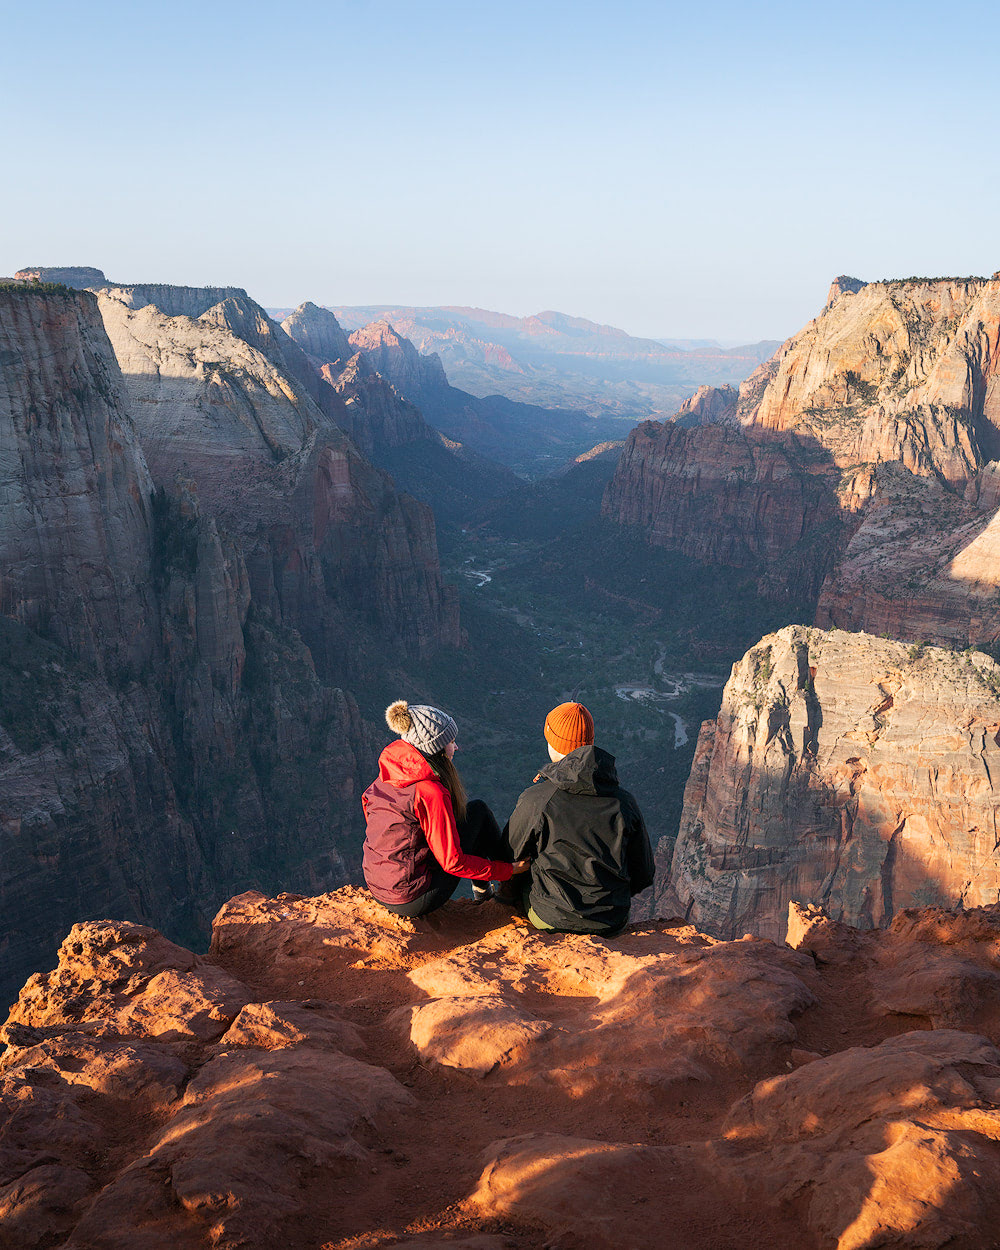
<point>522,865</point>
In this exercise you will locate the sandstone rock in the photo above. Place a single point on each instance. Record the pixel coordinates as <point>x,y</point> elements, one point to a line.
<point>473,1034</point>
<point>317,331</point>
<point>393,434</point>
<point>570,1184</point>
<point>135,1071</point>
<point>274,1026</point>
<point>79,276</point>
<point>844,286</point>
<point>897,1142</point>
<point>709,405</point>
<point>399,362</point>
<point>376,416</point>
<point>606,1019</point>
<point>271,1135</point>
<point>727,495</point>
<point>846,771</point>
<point>225,398</point>
<point>89,819</point>
<point>42,1206</point>
<point>226,1150</point>
<point>888,406</point>
<point>347,924</point>
<point>74,488</point>
<point>127,980</point>
<point>132,750</point>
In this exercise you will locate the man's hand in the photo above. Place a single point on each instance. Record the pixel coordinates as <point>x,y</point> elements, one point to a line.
<point>522,865</point>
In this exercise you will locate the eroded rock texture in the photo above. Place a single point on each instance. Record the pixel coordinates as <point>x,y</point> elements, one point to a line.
<point>844,770</point>
<point>859,462</point>
<point>330,1075</point>
<point>224,398</point>
<point>75,527</point>
<point>379,378</point>
<point>175,643</point>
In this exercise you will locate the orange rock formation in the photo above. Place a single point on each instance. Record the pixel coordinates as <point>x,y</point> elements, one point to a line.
<point>332,1076</point>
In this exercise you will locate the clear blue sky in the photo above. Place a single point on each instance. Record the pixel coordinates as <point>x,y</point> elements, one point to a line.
<point>696,170</point>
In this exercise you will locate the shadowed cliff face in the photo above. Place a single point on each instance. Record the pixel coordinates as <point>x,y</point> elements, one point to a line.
<point>890,402</point>
<point>843,770</point>
<point>74,510</point>
<point>169,728</point>
<point>227,400</point>
<point>734,496</point>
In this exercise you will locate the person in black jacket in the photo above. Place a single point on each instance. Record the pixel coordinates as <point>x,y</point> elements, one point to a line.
<point>583,833</point>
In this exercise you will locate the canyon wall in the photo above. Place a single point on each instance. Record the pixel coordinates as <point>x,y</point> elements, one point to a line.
<point>884,412</point>
<point>194,557</point>
<point>75,530</point>
<point>842,770</point>
<point>225,400</point>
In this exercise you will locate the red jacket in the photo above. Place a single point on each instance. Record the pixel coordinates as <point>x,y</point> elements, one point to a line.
<point>411,833</point>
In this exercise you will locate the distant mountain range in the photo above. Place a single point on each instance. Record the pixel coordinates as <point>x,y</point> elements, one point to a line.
<point>557,360</point>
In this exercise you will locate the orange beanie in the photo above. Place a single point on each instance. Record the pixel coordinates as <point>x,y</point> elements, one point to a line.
<point>569,726</point>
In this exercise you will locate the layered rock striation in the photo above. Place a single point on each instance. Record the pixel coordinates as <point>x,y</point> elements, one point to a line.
<point>75,527</point>
<point>887,406</point>
<point>184,597</point>
<point>224,398</point>
<point>330,1074</point>
<point>846,771</point>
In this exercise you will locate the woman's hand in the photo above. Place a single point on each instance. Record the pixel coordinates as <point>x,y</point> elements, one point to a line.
<point>522,865</point>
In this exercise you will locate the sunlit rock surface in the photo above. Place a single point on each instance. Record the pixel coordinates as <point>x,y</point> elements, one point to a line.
<point>859,464</point>
<point>330,1075</point>
<point>846,770</point>
<point>223,397</point>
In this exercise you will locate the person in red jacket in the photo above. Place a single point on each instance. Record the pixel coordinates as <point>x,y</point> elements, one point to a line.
<point>422,834</point>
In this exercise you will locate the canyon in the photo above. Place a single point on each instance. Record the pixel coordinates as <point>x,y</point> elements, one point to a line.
<point>226,543</point>
<point>857,466</point>
<point>561,361</point>
<point>197,564</point>
<point>524,437</point>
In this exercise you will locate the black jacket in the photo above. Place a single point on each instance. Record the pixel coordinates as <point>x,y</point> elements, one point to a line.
<point>588,843</point>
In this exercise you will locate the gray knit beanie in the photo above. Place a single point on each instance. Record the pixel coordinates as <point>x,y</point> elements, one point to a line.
<point>422,726</point>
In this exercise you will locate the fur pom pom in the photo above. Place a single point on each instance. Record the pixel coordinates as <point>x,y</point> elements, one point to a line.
<point>397,717</point>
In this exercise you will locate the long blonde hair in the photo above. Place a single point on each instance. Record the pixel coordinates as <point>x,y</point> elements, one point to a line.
<point>447,774</point>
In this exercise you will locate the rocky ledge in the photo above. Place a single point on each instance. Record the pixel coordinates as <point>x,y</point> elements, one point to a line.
<point>329,1075</point>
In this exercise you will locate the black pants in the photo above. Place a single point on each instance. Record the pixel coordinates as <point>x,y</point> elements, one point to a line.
<point>479,834</point>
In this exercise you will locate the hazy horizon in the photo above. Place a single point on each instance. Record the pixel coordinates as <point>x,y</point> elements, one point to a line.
<point>677,174</point>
